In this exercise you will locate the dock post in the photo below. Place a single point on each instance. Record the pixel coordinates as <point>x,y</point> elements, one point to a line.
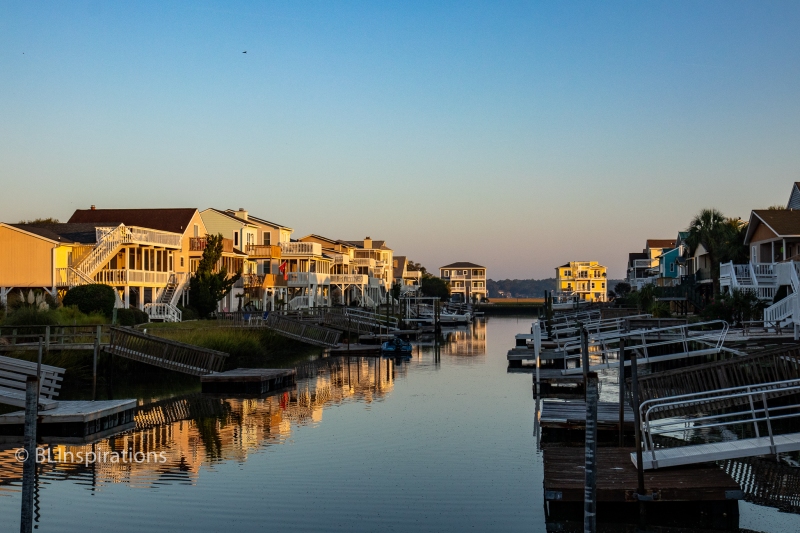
<point>621,392</point>
<point>638,432</point>
<point>39,367</point>
<point>47,339</point>
<point>94,363</point>
<point>584,358</point>
<point>590,470</point>
<point>29,465</point>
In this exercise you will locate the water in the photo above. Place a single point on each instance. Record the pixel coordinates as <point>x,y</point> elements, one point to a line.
<point>434,444</point>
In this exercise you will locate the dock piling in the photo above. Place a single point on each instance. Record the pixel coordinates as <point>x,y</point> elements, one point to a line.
<point>29,465</point>
<point>621,392</point>
<point>590,481</point>
<point>638,433</point>
<point>584,357</point>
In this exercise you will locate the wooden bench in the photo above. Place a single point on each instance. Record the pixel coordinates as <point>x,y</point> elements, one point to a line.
<point>13,375</point>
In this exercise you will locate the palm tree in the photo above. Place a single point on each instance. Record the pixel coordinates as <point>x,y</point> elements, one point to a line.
<point>722,238</point>
<point>707,229</point>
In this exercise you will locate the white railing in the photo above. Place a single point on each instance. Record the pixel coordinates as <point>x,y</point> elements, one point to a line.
<point>412,274</point>
<point>124,277</point>
<point>350,279</point>
<point>689,340</point>
<point>795,276</point>
<point>162,311</point>
<point>781,310</point>
<point>299,302</point>
<point>341,259</point>
<point>137,235</point>
<point>457,276</point>
<point>363,262</point>
<point>308,278</point>
<point>657,415</point>
<point>301,248</point>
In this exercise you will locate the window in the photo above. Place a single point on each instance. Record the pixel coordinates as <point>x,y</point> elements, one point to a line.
<point>602,285</point>
<point>236,238</point>
<point>196,231</point>
<point>181,261</point>
<point>446,273</point>
<point>672,267</point>
<point>267,238</point>
<point>593,284</point>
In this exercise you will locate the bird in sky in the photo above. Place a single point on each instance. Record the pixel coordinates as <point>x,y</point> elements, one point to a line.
<point>244,52</point>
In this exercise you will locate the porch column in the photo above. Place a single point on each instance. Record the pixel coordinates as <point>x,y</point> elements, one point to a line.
<point>4,295</point>
<point>784,249</point>
<point>127,297</point>
<point>141,298</point>
<point>772,256</point>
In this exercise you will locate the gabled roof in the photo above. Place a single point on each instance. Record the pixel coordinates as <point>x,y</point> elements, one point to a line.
<point>230,215</point>
<point>660,243</point>
<point>462,264</point>
<point>326,239</point>
<point>176,220</point>
<point>794,198</point>
<point>266,222</point>
<point>67,233</point>
<point>376,244</point>
<point>400,261</point>
<point>782,222</point>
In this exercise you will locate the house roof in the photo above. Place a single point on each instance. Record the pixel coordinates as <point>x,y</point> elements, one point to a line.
<point>376,244</point>
<point>636,255</point>
<point>462,264</point>
<point>660,243</point>
<point>782,222</point>
<point>83,233</point>
<point>326,239</point>
<point>397,271</point>
<point>264,221</point>
<point>176,220</point>
<point>231,216</point>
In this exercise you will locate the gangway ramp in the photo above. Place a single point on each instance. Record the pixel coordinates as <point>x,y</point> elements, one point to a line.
<point>755,418</point>
<point>303,331</point>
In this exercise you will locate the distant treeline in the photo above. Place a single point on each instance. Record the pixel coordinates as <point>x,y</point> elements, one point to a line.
<point>527,288</point>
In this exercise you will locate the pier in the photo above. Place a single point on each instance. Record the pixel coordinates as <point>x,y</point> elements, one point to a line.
<point>248,380</point>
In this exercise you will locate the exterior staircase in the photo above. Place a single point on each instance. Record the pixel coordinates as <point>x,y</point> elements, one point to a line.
<point>165,308</point>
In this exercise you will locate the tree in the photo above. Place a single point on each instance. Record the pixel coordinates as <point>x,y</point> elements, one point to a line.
<point>416,267</point>
<point>622,289</point>
<point>208,287</point>
<point>722,238</point>
<point>41,221</point>
<point>436,287</point>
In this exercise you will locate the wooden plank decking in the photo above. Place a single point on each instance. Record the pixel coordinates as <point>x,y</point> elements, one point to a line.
<point>572,415</point>
<point>617,479</point>
<point>75,419</point>
<point>248,380</point>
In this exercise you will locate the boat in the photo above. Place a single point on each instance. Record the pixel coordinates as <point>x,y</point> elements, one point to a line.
<point>565,302</point>
<point>396,346</point>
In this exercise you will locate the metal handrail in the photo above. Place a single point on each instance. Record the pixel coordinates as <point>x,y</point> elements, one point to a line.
<point>751,393</point>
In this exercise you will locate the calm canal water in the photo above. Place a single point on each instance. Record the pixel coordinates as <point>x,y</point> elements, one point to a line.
<point>433,444</point>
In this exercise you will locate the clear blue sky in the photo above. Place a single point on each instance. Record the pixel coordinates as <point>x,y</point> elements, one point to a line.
<point>516,135</point>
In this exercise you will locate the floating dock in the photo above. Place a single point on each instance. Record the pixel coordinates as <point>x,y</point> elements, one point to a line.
<point>572,415</point>
<point>701,496</point>
<point>75,419</point>
<point>356,349</point>
<point>248,380</point>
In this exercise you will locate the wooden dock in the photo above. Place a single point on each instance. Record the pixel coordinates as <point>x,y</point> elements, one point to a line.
<point>701,496</point>
<point>76,419</point>
<point>356,349</point>
<point>248,380</point>
<point>572,415</point>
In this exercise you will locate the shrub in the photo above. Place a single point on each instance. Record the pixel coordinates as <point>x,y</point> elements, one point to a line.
<point>131,317</point>
<point>91,298</point>
<point>188,313</point>
<point>72,316</point>
<point>32,316</point>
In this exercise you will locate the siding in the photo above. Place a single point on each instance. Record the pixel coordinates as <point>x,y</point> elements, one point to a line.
<point>25,261</point>
<point>762,233</point>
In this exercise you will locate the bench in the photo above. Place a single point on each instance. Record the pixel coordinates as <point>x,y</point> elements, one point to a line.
<point>13,375</point>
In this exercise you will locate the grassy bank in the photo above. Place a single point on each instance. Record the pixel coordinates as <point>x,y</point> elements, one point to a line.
<point>248,348</point>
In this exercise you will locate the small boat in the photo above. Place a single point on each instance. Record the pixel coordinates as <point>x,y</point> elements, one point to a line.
<point>396,346</point>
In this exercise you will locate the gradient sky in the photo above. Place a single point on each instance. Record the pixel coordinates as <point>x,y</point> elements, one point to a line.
<point>515,135</point>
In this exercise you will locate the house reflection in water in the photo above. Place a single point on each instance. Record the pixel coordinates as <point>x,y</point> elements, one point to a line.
<point>178,436</point>
<point>466,340</point>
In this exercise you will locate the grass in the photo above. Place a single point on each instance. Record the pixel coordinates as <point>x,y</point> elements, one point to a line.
<point>516,301</point>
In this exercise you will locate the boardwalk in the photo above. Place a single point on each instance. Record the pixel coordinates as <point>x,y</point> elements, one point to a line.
<point>302,331</point>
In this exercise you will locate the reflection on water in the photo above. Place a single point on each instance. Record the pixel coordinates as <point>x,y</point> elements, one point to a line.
<point>466,340</point>
<point>177,437</point>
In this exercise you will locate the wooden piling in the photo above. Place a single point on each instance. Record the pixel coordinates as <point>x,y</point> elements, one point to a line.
<point>621,392</point>
<point>640,488</point>
<point>584,356</point>
<point>94,363</point>
<point>29,457</point>
<point>590,482</point>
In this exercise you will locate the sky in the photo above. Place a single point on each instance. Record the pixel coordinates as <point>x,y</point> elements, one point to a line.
<point>516,135</point>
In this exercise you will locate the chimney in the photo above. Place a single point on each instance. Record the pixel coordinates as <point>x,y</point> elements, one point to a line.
<point>241,213</point>
<point>367,242</point>
<point>92,208</point>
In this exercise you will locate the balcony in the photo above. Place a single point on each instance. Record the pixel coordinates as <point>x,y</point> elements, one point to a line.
<point>341,259</point>
<point>349,279</point>
<point>131,277</point>
<point>263,251</point>
<point>363,262</point>
<point>304,279</point>
<point>301,248</point>
<point>198,244</point>
<point>138,235</point>
<point>457,276</point>
<point>412,275</point>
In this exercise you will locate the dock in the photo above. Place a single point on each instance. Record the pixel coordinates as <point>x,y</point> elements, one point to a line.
<point>572,415</point>
<point>248,380</point>
<point>356,349</point>
<point>75,419</point>
<point>701,496</point>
